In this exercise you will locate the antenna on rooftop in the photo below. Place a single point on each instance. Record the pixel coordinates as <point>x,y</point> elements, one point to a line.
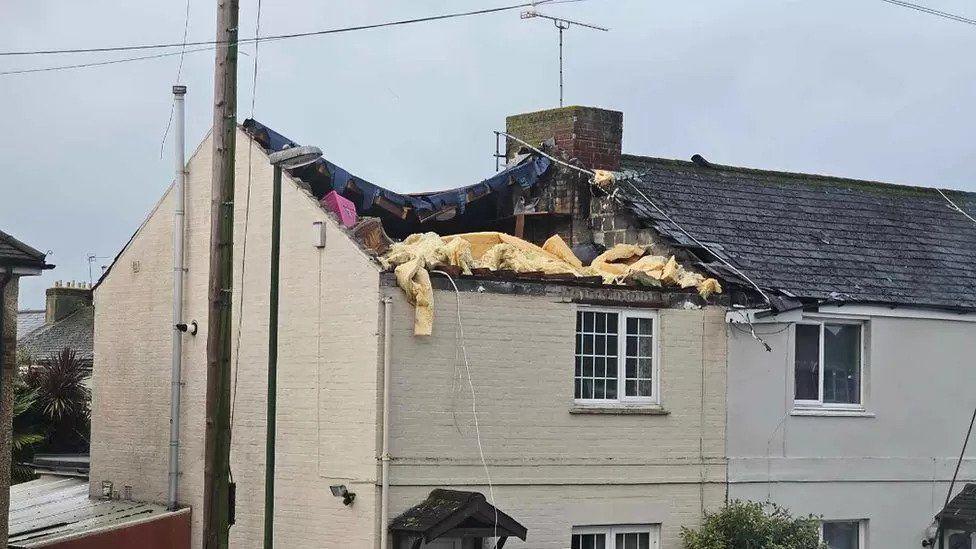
<point>561,25</point>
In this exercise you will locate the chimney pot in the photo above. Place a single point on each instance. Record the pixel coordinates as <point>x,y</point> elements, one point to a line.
<point>64,299</point>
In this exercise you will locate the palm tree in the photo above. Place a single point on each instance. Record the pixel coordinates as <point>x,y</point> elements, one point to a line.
<point>26,434</point>
<point>62,401</point>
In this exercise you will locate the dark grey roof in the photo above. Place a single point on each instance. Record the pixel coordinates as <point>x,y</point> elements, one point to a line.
<point>74,331</point>
<point>451,512</point>
<point>15,253</point>
<point>28,321</point>
<point>961,511</point>
<point>817,237</point>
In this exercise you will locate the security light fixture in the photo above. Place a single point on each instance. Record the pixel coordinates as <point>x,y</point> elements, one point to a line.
<point>340,491</point>
<point>295,157</point>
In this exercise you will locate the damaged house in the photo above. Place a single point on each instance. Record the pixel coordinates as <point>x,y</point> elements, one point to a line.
<point>587,349</point>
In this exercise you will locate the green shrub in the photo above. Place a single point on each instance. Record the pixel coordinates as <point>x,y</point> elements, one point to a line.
<point>750,525</point>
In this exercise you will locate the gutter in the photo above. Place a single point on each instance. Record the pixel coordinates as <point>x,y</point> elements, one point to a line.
<point>385,456</point>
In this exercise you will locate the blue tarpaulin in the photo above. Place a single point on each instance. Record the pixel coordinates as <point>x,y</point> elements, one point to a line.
<point>415,208</point>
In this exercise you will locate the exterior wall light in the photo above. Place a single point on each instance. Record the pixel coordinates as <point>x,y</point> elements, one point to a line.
<point>340,491</point>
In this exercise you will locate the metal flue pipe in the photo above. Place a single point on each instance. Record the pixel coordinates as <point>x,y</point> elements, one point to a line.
<point>178,326</point>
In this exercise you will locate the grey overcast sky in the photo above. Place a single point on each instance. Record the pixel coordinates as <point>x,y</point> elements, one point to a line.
<point>858,88</point>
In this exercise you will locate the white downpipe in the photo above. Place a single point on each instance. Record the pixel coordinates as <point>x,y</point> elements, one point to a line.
<point>385,457</point>
<point>178,224</point>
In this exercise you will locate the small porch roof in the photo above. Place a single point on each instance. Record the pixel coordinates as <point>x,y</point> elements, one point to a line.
<point>454,513</point>
<point>960,513</point>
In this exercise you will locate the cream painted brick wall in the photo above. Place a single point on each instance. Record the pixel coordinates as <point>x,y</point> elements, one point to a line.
<point>553,469</point>
<point>327,366</point>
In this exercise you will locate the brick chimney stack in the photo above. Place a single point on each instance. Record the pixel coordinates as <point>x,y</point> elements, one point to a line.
<point>591,135</point>
<point>64,299</point>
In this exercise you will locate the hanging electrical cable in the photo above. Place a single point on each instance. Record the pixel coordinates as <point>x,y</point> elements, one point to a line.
<point>275,36</point>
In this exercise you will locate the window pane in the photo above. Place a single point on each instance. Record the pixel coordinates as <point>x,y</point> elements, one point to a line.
<point>633,540</point>
<point>807,362</point>
<point>631,369</point>
<point>596,355</point>
<point>842,363</point>
<point>589,541</point>
<point>645,326</point>
<point>638,373</point>
<point>644,387</point>
<point>842,535</point>
<point>960,540</point>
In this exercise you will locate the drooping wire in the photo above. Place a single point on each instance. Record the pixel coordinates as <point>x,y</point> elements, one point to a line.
<point>247,215</point>
<point>459,339</point>
<point>659,210</point>
<point>972,421</point>
<point>956,206</point>
<point>932,11</point>
<point>276,36</point>
<point>179,74</point>
<point>103,63</point>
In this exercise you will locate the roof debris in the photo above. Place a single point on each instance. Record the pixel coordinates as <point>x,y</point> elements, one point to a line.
<point>624,264</point>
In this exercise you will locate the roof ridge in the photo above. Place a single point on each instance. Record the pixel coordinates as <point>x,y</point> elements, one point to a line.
<point>791,174</point>
<point>27,249</point>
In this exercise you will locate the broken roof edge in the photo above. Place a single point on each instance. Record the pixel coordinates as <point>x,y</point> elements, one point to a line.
<point>577,291</point>
<point>636,158</point>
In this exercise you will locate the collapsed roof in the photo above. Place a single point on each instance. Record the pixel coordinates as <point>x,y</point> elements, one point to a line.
<point>813,237</point>
<point>463,209</point>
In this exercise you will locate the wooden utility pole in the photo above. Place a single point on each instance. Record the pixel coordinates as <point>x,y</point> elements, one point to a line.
<point>216,501</point>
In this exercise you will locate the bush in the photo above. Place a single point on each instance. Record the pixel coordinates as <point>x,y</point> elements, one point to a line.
<point>750,525</point>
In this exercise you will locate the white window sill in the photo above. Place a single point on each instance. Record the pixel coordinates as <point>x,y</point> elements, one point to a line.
<point>831,412</point>
<point>619,409</point>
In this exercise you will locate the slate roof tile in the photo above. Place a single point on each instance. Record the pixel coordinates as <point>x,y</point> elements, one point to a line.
<point>15,252</point>
<point>814,235</point>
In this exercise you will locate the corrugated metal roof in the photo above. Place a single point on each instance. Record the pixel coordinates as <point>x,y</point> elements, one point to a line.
<point>53,507</point>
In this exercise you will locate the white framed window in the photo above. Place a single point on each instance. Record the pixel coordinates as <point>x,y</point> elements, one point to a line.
<point>623,536</point>
<point>616,357</point>
<point>828,364</point>
<point>844,534</point>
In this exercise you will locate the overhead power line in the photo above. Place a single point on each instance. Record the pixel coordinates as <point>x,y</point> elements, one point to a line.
<point>276,36</point>
<point>101,63</point>
<point>932,11</point>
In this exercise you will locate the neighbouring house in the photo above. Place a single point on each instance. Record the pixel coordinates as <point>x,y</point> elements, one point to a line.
<point>555,409</point>
<point>16,260</point>
<point>66,322</point>
<point>847,385</point>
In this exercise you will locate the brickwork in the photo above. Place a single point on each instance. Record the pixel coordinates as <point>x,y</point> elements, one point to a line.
<point>586,136</point>
<point>327,366</point>
<point>610,225</point>
<point>591,135</point>
<point>8,367</point>
<point>553,469</point>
